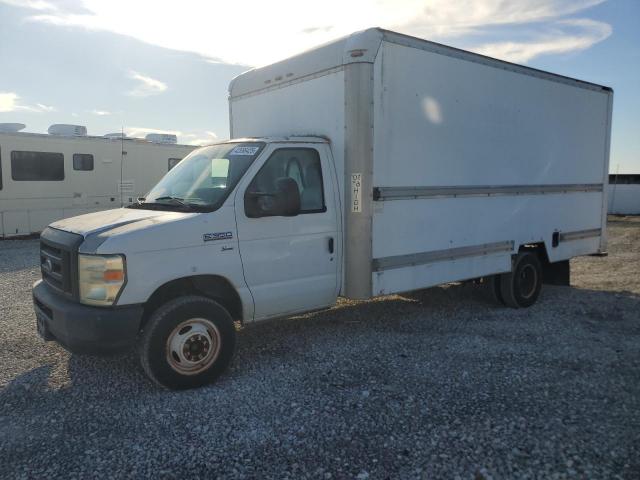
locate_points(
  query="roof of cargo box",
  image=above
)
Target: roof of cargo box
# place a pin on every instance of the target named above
(288, 139)
(362, 47)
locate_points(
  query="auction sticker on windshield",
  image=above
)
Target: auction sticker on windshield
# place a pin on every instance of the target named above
(244, 151)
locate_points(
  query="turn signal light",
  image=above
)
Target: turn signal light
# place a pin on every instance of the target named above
(113, 275)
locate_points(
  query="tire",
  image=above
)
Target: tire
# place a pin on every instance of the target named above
(188, 342)
(491, 286)
(521, 287)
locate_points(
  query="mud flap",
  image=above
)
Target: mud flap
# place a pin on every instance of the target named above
(558, 273)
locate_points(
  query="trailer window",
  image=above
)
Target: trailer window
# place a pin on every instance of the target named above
(173, 162)
(82, 161)
(624, 179)
(37, 166)
(300, 164)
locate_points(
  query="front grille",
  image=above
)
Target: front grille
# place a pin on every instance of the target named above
(55, 266)
(59, 260)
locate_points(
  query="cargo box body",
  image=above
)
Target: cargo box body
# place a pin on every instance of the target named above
(448, 161)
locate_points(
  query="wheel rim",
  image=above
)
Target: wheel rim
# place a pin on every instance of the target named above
(193, 346)
(527, 281)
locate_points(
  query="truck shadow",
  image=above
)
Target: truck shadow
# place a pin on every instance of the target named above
(436, 315)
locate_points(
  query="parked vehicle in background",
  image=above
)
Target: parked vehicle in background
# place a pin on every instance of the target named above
(624, 194)
(44, 178)
(375, 164)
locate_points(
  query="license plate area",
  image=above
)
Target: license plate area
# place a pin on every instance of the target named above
(41, 323)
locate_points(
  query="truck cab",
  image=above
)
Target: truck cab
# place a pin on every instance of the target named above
(238, 231)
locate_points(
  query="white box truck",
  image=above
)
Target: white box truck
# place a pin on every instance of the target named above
(375, 164)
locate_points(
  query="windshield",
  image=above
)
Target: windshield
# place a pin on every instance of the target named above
(204, 178)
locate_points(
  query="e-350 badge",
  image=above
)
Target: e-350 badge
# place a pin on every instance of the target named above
(208, 237)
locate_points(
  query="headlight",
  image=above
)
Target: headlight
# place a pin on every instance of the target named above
(101, 278)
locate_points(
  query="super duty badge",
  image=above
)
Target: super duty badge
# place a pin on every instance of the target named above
(208, 237)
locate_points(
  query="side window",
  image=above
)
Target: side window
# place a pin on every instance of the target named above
(300, 164)
(173, 162)
(82, 161)
(37, 166)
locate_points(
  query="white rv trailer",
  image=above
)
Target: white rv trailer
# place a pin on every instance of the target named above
(624, 194)
(378, 163)
(44, 178)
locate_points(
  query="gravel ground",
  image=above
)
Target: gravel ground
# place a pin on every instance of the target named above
(439, 384)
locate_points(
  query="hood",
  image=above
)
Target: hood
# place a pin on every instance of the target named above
(98, 222)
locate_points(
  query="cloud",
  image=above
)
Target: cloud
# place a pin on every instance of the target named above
(44, 108)
(556, 41)
(32, 4)
(234, 41)
(446, 19)
(59, 6)
(9, 103)
(146, 85)
(326, 29)
(100, 113)
(204, 138)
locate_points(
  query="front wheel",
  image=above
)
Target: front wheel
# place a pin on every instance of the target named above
(187, 342)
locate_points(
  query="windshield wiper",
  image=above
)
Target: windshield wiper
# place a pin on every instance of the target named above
(174, 199)
(169, 202)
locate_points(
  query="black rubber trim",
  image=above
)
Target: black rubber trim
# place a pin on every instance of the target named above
(82, 328)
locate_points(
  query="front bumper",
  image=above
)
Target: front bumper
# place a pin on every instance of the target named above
(84, 329)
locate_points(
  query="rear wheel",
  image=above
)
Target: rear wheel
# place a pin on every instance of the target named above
(521, 287)
(491, 289)
(188, 342)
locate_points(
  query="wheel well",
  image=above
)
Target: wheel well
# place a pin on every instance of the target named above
(539, 248)
(212, 286)
(557, 273)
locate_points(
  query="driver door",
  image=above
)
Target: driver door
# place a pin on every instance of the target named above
(290, 263)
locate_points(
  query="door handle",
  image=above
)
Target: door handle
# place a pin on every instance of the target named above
(330, 244)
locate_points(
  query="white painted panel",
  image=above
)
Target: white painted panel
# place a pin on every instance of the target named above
(441, 121)
(624, 199)
(452, 120)
(286, 260)
(313, 107)
(30, 205)
(16, 222)
(39, 219)
(143, 166)
(428, 275)
(444, 121)
(423, 225)
(422, 276)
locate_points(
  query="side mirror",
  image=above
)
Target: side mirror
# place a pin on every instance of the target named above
(284, 202)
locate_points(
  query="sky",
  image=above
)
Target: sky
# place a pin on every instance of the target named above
(148, 66)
